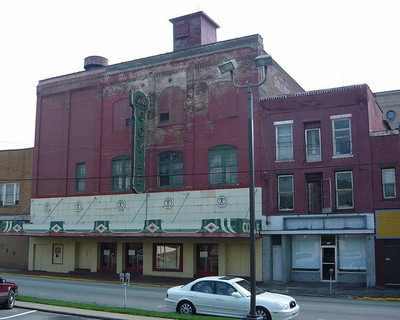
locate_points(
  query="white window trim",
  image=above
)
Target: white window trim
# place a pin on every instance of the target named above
(383, 184)
(279, 198)
(345, 155)
(310, 157)
(3, 188)
(352, 191)
(278, 124)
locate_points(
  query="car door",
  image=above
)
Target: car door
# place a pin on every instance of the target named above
(202, 296)
(227, 304)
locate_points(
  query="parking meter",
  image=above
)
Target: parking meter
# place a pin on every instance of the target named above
(330, 280)
(127, 278)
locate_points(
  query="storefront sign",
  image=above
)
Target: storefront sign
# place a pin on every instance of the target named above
(139, 103)
(387, 224)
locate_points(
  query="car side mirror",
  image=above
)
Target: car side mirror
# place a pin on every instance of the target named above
(2, 280)
(236, 294)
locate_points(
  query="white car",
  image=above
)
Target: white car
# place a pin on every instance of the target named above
(230, 297)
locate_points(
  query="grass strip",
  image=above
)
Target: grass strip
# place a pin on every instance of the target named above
(131, 311)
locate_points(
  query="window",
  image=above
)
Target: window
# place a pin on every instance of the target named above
(306, 252)
(352, 253)
(121, 173)
(285, 193)
(342, 145)
(80, 173)
(168, 257)
(313, 145)
(314, 193)
(170, 169)
(344, 190)
(222, 162)
(389, 183)
(203, 286)
(9, 194)
(284, 140)
(164, 117)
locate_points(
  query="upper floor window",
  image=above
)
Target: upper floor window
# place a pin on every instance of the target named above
(344, 190)
(285, 192)
(170, 169)
(121, 173)
(284, 140)
(222, 162)
(389, 183)
(342, 144)
(80, 174)
(9, 194)
(313, 144)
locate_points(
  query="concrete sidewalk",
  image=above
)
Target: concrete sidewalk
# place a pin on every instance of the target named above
(80, 312)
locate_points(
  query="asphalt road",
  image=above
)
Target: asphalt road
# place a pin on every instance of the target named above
(152, 298)
(24, 314)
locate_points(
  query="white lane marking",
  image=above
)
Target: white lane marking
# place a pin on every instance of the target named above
(18, 315)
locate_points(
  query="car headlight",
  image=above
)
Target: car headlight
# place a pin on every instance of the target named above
(282, 305)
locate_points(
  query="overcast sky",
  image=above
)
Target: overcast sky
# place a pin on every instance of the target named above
(320, 43)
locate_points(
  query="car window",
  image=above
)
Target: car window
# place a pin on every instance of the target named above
(224, 288)
(203, 286)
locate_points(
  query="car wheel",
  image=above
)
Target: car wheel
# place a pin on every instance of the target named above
(260, 311)
(186, 307)
(10, 300)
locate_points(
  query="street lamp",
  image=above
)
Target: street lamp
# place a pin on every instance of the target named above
(229, 66)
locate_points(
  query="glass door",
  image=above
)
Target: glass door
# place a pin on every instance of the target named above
(207, 259)
(328, 270)
(134, 258)
(108, 257)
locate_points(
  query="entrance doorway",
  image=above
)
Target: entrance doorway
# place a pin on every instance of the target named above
(134, 258)
(207, 259)
(392, 262)
(328, 269)
(108, 257)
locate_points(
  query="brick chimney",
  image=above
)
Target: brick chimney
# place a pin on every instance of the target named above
(193, 30)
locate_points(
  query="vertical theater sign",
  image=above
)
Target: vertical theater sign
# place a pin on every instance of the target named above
(139, 103)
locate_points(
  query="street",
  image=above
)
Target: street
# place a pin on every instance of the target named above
(152, 298)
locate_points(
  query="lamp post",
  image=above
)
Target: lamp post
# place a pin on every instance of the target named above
(229, 66)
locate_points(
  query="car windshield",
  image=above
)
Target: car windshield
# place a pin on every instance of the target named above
(247, 286)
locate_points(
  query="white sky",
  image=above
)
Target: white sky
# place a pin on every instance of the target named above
(320, 43)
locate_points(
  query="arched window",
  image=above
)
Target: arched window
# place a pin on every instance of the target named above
(222, 163)
(170, 169)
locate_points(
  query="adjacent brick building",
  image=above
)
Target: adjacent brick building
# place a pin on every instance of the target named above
(329, 164)
(15, 199)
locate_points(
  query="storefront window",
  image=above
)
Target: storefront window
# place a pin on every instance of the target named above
(352, 256)
(168, 257)
(306, 252)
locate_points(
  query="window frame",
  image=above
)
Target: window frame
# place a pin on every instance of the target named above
(313, 157)
(80, 177)
(384, 185)
(124, 176)
(224, 169)
(286, 193)
(337, 138)
(4, 194)
(280, 145)
(342, 190)
(173, 167)
(162, 248)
